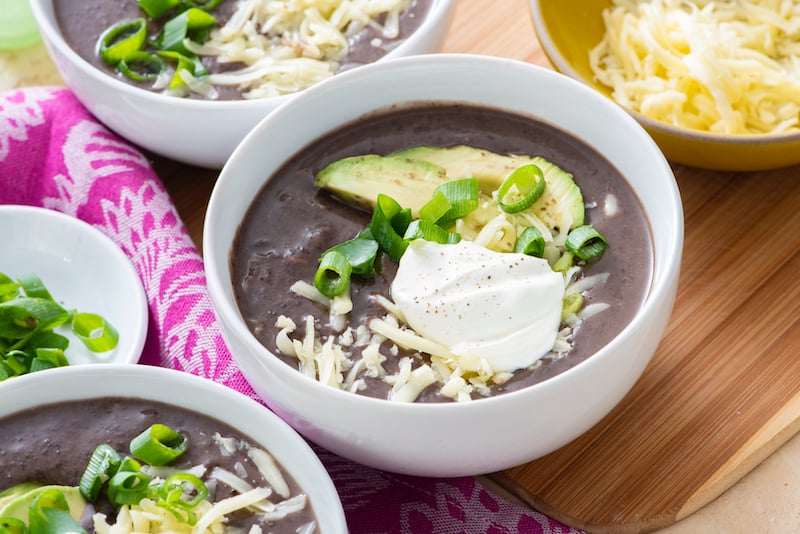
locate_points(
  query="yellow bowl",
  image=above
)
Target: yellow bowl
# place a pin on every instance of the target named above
(568, 29)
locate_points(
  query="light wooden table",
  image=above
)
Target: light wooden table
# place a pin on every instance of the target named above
(716, 409)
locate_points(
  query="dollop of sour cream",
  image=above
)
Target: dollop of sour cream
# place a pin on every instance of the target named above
(503, 307)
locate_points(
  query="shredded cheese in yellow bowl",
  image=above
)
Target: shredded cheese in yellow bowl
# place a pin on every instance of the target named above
(715, 83)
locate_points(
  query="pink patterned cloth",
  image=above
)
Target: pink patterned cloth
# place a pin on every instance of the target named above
(54, 154)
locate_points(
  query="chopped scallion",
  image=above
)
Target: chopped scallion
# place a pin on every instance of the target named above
(586, 243)
(103, 464)
(158, 445)
(122, 39)
(333, 275)
(521, 189)
(530, 242)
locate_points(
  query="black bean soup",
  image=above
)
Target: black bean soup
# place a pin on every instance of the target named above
(52, 445)
(290, 223)
(82, 22)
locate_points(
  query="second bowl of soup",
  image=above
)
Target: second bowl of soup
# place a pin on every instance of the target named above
(426, 266)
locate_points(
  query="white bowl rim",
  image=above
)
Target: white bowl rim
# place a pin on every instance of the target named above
(139, 302)
(438, 12)
(658, 292)
(564, 66)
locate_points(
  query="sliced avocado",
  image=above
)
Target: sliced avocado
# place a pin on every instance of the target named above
(19, 506)
(9, 494)
(560, 205)
(358, 180)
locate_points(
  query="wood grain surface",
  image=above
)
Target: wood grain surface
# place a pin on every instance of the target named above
(723, 391)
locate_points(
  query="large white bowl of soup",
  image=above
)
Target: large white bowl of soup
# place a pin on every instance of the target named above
(92, 436)
(193, 95)
(527, 236)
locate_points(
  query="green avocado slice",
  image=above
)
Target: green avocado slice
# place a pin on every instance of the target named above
(19, 507)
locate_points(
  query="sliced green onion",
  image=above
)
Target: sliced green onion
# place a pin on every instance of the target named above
(184, 515)
(16, 363)
(103, 463)
(435, 208)
(183, 489)
(127, 487)
(521, 188)
(383, 231)
(49, 514)
(429, 231)
(462, 196)
(179, 28)
(141, 66)
(586, 243)
(23, 315)
(122, 39)
(156, 8)
(360, 253)
(12, 525)
(564, 262)
(158, 445)
(8, 288)
(48, 358)
(530, 242)
(572, 305)
(333, 275)
(95, 332)
(34, 287)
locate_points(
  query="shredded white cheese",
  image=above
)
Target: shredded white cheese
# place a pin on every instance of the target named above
(726, 67)
(285, 46)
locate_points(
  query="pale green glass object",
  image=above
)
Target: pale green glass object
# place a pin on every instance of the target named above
(17, 25)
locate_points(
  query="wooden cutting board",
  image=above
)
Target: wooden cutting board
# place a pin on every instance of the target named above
(722, 391)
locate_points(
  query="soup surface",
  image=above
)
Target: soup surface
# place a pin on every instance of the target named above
(291, 223)
(53, 444)
(82, 23)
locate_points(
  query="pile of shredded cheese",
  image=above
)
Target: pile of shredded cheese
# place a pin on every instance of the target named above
(289, 45)
(726, 67)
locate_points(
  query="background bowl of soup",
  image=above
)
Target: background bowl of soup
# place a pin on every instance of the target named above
(710, 95)
(195, 130)
(264, 207)
(78, 409)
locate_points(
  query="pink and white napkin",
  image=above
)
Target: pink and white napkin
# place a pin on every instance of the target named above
(55, 154)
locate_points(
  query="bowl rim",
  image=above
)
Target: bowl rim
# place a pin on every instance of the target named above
(128, 269)
(51, 33)
(553, 52)
(73, 379)
(661, 278)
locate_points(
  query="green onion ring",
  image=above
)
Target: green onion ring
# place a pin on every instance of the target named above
(530, 242)
(122, 39)
(127, 487)
(174, 490)
(103, 463)
(528, 181)
(586, 243)
(333, 275)
(95, 332)
(158, 445)
(34, 287)
(141, 66)
(572, 304)
(49, 513)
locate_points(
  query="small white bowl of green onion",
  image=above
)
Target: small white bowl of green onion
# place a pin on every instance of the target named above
(68, 295)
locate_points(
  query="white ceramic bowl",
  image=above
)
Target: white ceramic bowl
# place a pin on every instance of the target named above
(488, 434)
(192, 131)
(83, 269)
(193, 393)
